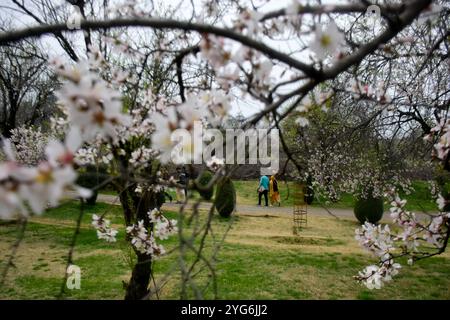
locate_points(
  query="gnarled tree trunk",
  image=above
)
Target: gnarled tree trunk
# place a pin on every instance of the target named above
(140, 278)
(137, 287)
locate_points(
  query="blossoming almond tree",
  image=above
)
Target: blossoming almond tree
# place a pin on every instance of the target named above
(128, 98)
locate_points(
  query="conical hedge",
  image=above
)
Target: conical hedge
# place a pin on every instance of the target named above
(203, 181)
(370, 209)
(225, 201)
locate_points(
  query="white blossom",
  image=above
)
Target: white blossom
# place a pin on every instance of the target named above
(215, 163)
(441, 202)
(144, 242)
(326, 40)
(39, 185)
(58, 153)
(142, 157)
(29, 144)
(91, 104)
(302, 121)
(103, 227)
(374, 276)
(163, 227)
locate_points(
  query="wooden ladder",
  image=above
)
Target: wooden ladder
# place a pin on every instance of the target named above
(300, 209)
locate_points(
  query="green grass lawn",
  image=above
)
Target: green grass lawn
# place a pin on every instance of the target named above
(260, 259)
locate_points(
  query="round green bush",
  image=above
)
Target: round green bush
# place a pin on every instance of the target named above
(225, 201)
(203, 181)
(309, 194)
(370, 209)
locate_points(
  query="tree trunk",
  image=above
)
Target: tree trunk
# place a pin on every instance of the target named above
(140, 279)
(10, 122)
(137, 288)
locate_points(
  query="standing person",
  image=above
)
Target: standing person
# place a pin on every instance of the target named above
(274, 191)
(263, 189)
(181, 193)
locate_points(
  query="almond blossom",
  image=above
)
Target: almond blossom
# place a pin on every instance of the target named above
(91, 97)
(142, 157)
(441, 202)
(103, 227)
(442, 132)
(326, 40)
(47, 185)
(215, 164)
(248, 22)
(143, 241)
(91, 104)
(64, 154)
(387, 245)
(40, 185)
(214, 50)
(29, 144)
(163, 227)
(164, 125)
(178, 129)
(376, 239)
(374, 276)
(11, 175)
(305, 105)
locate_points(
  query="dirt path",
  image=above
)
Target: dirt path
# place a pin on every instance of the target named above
(245, 209)
(254, 210)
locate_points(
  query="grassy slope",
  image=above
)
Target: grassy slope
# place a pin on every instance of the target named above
(261, 259)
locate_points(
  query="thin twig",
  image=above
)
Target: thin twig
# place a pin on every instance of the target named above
(72, 247)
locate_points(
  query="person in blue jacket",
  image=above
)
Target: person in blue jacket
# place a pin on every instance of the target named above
(263, 189)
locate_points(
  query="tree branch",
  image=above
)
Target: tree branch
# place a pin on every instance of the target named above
(157, 23)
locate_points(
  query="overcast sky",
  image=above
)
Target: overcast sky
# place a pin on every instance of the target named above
(245, 106)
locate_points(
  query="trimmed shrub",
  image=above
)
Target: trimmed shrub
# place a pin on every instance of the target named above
(225, 201)
(370, 209)
(90, 178)
(203, 181)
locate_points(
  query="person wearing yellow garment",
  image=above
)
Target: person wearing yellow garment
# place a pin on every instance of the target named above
(274, 193)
